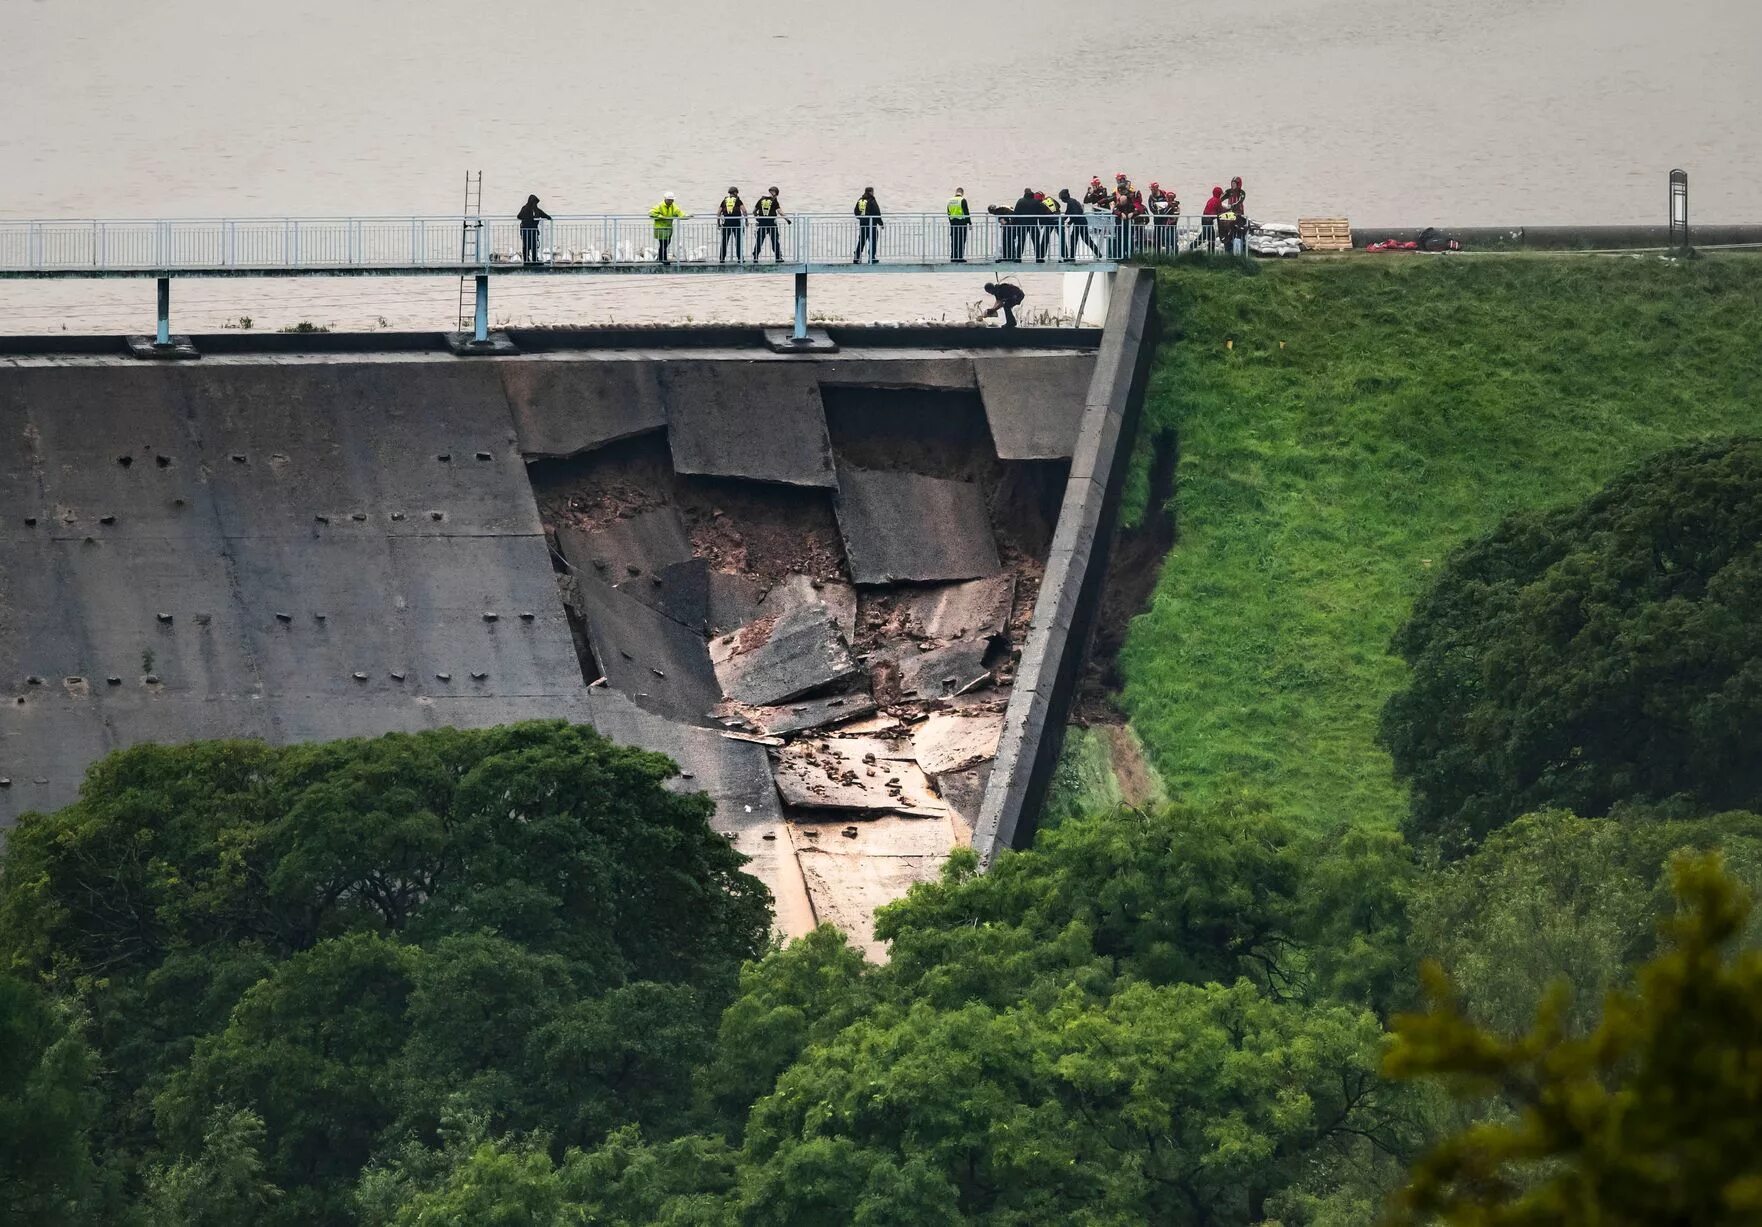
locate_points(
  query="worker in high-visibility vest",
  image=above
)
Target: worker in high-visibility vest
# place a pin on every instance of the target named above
(664, 215)
(960, 218)
(766, 210)
(869, 223)
(731, 217)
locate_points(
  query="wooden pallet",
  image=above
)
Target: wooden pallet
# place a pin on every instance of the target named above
(1325, 233)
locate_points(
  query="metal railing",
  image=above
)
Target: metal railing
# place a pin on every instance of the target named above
(271, 245)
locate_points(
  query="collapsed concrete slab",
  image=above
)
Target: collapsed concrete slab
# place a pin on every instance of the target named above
(976, 609)
(1034, 403)
(763, 421)
(905, 526)
(801, 716)
(565, 408)
(940, 673)
(854, 773)
(853, 868)
(947, 742)
(775, 660)
(794, 592)
(657, 662)
(642, 543)
(733, 601)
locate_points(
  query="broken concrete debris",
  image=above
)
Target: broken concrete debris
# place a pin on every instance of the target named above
(947, 742)
(776, 659)
(855, 773)
(799, 716)
(901, 526)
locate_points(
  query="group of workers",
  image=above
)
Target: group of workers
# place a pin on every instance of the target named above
(1031, 221)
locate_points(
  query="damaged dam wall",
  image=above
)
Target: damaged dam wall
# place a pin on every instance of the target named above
(815, 582)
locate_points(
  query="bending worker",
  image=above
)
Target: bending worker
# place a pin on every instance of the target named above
(530, 215)
(1005, 298)
(960, 218)
(731, 217)
(664, 215)
(766, 210)
(869, 224)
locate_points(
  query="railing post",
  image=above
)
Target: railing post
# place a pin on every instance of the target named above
(800, 335)
(480, 321)
(163, 336)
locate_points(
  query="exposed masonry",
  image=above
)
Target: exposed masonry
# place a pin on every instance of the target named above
(659, 544)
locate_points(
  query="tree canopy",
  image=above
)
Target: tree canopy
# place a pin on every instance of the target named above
(1602, 654)
(1655, 1116)
(291, 958)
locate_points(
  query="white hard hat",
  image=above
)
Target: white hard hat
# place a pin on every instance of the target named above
(666, 195)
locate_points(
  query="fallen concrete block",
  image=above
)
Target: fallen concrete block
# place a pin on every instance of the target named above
(860, 773)
(947, 742)
(978, 608)
(658, 663)
(776, 660)
(647, 540)
(905, 526)
(795, 591)
(937, 674)
(733, 601)
(800, 716)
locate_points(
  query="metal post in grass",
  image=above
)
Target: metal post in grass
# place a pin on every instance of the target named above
(1679, 209)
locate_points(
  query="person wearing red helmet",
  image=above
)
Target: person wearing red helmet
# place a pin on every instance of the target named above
(1096, 196)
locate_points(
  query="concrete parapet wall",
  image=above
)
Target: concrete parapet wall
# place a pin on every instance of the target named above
(1070, 593)
(1565, 238)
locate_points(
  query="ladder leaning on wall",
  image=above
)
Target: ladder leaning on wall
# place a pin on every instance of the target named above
(470, 241)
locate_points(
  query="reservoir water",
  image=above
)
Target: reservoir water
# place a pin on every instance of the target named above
(1390, 113)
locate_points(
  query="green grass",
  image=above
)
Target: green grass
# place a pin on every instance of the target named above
(1414, 402)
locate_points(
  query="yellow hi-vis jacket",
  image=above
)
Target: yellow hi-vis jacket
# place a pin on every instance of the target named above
(665, 214)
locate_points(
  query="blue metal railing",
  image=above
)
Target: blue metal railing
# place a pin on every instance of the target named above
(610, 241)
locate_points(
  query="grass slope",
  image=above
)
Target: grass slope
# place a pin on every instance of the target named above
(1370, 414)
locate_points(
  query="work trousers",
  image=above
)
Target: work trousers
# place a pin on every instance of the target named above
(665, 241)
(529, 243)
(767, 230)
(1009, 316)
(1075, 231)
(1208, 232)
(868, 234)
(957, 240)
(1041, 239)
(731, 234)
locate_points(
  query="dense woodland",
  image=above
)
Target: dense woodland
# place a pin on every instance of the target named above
(507, 977)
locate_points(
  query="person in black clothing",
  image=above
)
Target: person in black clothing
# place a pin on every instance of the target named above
(530, 215)
(1076, 228)
(1022, 226)
(1005, 298)
(731, 217)
(869, 224)
(766, 211)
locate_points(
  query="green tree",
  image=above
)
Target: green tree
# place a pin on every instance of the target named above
(47, 1107)
(1608, 652)
(1181, 1104)
(1653, 1117)
(222, 1185)
(337, 937)
(1555, 901)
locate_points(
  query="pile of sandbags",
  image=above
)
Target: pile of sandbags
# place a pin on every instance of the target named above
(1273, 239)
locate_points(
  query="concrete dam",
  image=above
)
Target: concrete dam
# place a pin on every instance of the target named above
(848, 592)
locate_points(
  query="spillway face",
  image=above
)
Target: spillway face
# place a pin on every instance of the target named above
(808, 580)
